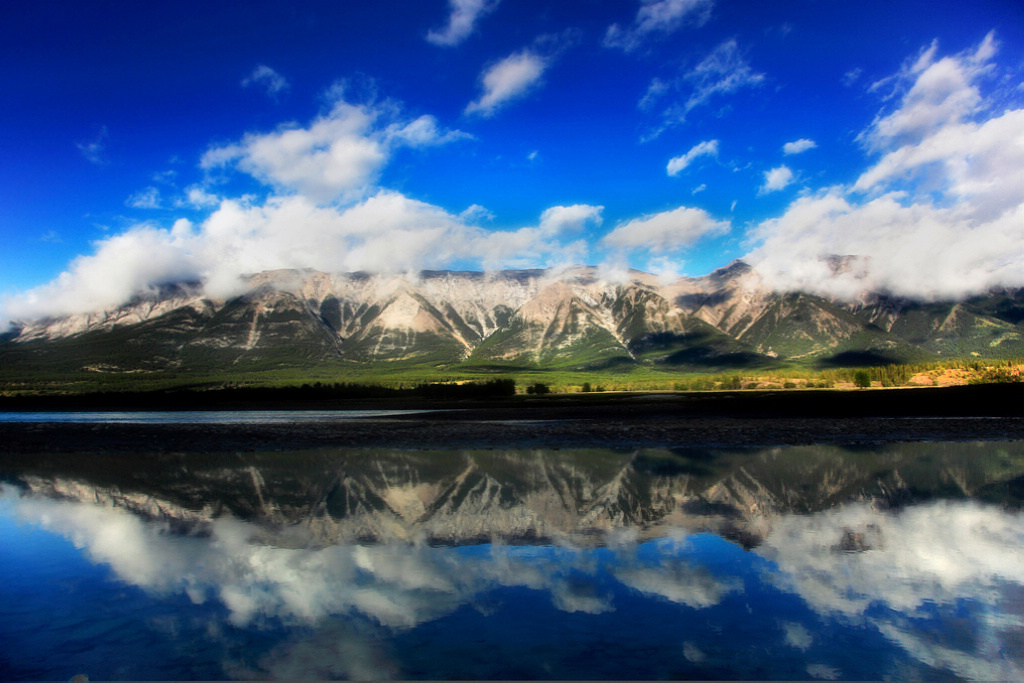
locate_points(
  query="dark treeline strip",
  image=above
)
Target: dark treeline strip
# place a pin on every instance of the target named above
(233, 397)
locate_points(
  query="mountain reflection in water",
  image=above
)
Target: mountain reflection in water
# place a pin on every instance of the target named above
(782, 563)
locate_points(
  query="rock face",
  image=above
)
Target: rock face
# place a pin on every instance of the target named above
(572, 319)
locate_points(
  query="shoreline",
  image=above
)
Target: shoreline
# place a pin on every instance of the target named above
(623, 421)
(419, 434)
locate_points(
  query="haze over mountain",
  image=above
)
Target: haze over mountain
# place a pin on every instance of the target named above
(666, 136)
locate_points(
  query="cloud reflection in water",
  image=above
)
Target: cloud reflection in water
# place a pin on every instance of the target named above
(710, 589)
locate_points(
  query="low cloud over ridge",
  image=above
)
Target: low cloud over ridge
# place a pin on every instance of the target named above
(935, 213)
(937, 216)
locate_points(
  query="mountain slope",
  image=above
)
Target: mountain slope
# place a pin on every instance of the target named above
(572, 319)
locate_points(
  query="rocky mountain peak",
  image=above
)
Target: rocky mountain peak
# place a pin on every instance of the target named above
(570, 317)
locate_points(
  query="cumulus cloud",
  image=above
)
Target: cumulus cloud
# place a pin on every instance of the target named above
(475, 214)
(665, 232)
(559, 219)
(776, 179)
(706, 148)
(198, 197)
(940, 93)
(936, 216)
(386, 232)
(121, 267)
(336, 157)
(273, 83)
(798, 146)
(461, 21)
(915, 250)
(971, 162)
(508, 80)
(657, 17)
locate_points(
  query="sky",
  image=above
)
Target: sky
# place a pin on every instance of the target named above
(148, 142)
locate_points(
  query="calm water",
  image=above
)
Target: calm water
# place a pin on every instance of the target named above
(200, 416)
(903, 562)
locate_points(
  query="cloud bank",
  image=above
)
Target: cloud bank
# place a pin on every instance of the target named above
(935, 214)
(386, 232)
(938, 213)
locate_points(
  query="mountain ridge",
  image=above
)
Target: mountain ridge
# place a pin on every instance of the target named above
(574, 318)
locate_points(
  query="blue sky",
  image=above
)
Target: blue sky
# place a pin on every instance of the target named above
(149, 141)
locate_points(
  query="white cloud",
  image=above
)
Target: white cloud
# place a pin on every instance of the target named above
(852, 76)
(145, 199)
(706, 148)
(665, 232)
(386, 232)
(655, 90)
(559, 219)
(798, 146)
(977, 164)
(657, 17)
(914, 250)
(197, 197)
(273, 83)
(461, 21)
(937, 216)
(337, 157)
(941, 93)
(94, 150)
(476, 214)
(722, 72)
(121, 267)
(508, 80)
(776, 179)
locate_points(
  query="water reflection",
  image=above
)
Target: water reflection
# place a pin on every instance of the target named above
(783, 563)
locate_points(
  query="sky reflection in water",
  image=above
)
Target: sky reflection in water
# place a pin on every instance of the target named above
(784, 563)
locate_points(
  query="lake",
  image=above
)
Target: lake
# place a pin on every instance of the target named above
(900, 561)
(201, 417)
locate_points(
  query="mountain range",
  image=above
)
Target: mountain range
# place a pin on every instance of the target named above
(467, 497)
(573, 319)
